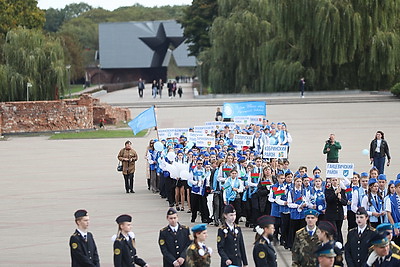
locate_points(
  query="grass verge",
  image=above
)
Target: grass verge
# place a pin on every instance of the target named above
(97, 134)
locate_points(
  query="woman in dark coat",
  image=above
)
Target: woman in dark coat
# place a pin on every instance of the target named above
(378, 151)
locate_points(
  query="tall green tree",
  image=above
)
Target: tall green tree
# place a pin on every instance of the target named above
(23, 13)
(196, 22)
(32, 57)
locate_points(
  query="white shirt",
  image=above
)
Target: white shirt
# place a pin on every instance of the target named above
(378, 146)
(361, 229)
(175, 229)
(83, 234)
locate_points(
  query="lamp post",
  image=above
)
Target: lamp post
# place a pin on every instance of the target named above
(28, 85)
(69, 79)
(99, 66)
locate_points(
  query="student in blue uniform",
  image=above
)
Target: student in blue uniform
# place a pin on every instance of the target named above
(230, 241)
(264, 254)
(124, 244)
(82, 246)
(173, 240)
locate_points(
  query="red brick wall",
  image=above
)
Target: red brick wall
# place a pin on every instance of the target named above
(59, 115)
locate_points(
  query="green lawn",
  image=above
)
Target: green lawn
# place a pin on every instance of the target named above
(97, 134)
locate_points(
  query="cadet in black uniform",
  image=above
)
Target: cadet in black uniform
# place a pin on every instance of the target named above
(124, 244)
(82, 245)
(174, 239)
(230, 240)
(356, 248)
(263, 252)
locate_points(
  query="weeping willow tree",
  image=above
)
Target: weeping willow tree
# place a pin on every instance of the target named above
(236, 36)
(334, 44)
(31, 57)
(267, 45)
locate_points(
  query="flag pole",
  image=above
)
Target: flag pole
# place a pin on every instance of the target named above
(155, 116)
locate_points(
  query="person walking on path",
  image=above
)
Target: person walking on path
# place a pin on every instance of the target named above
(331, 149)
(378, 151)
(302, 85)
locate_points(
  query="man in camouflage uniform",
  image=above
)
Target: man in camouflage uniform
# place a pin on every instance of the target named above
(306, 242)
(197, 254)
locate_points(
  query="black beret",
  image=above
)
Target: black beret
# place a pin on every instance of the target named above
(229, 209)
(265, 220)
(361, 211)
(171, 211)
(123, 218)
(80, 213)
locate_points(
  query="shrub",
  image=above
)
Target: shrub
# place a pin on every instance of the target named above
(396, 89)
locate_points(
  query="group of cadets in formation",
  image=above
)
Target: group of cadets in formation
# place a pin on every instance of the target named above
(301, 212)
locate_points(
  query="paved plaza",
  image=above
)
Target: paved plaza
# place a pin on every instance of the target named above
(44, 181)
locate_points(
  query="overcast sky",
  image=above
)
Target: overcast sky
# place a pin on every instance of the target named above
(111, 4)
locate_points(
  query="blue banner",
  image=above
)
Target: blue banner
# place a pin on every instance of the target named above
(250, 108)
(144, 120)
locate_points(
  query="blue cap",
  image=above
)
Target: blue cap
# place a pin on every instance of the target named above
(398, 176)
(179, 152)
(397, 182)
(364, 174)
(391, 182)
(380, 240)
(326, 250)
(199, 228)
(280, 172)
(317, 176)
(311, 212)
(354, 173)
(372, 181)
(213, 153)
(384, 227)
(382, 177)
(316, 168)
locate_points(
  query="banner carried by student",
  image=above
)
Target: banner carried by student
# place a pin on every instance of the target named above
(250, 108)
(277, 152)
(339, 170)
(242, 140)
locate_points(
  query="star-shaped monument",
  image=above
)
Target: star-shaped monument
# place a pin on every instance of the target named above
(160, 44)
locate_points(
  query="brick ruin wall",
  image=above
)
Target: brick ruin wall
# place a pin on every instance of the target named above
(59, 115)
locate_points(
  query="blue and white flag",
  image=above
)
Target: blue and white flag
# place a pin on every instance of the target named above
(144, 120)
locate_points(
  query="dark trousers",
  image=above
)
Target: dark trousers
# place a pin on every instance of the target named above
(237, 204)
(217, 206)
(379, 163)
(332, 160)
(170, 190)
(277, 225)
(255, 209)
(351, 219)
(295, 225)
(338, 224)
(199, 203)
(140, 92)
(128, 182)
(285, 228)
(153, 181)
(162, 187)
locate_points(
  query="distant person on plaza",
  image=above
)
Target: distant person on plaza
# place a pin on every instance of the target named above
(160, 86)
(180, 91)
(198, 254)
(264, 254)
(154, 89)
(306, 241)
(82, 246)
(331, 149)
(302, 85)
(174, 85)
(378, 151)
(140, 87)
(173, 240)
(124, 244)
(169, 86)
(218, 115)
(128, 157)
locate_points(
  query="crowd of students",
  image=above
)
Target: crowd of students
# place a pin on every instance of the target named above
(204, 180)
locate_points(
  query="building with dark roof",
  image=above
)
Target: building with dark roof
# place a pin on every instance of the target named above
(132, 50)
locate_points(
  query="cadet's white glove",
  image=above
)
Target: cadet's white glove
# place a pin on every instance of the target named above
(372, 258)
